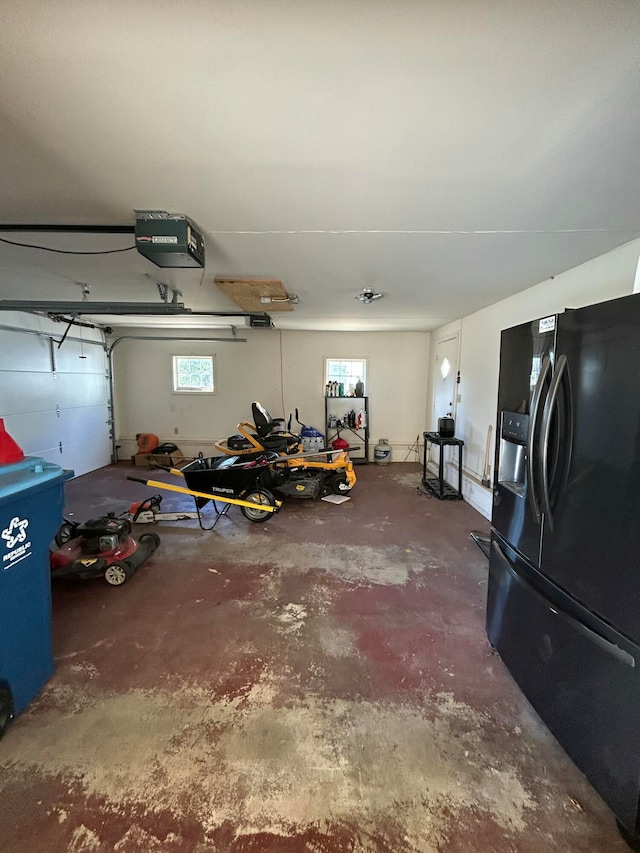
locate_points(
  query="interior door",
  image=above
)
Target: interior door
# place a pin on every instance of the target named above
(444, 390)
(444, 387)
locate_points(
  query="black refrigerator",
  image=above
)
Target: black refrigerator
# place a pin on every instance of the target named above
(563, 606)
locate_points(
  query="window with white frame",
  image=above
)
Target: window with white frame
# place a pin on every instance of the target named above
(348, 371)
(193, 374)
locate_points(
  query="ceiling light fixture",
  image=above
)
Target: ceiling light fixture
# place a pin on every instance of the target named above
(368, 296)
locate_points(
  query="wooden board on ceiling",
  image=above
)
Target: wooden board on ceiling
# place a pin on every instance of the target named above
(248, 293)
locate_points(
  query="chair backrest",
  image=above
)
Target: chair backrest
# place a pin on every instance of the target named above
(262, 419)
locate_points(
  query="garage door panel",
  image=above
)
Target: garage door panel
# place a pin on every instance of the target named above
(73, 357)
(35, 432)
(94, 390)
(25, 353)
(36, 392)
(83, 435)
(21, 393)
(83, 424)
(85, 456)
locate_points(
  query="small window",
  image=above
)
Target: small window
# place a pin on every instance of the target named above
(349, 372)
(193, 374)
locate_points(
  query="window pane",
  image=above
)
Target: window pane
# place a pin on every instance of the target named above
(347, 371)
(193, 373)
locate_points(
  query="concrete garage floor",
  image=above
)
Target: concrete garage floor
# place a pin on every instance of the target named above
(320, 682)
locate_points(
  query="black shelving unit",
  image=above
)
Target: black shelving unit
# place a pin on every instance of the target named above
(437, 485)
(358, 438)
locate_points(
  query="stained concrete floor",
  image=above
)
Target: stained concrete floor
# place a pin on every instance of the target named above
(320, 682)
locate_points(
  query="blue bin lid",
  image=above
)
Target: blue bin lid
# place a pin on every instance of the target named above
(30, 473)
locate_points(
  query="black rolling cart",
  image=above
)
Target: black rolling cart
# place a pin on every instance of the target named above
(436, 485)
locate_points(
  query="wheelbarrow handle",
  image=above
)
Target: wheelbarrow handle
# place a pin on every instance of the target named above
(137, 480)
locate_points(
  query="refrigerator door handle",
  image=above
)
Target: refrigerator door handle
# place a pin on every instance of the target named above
(549, 407)
(606, 645)
(535, 407)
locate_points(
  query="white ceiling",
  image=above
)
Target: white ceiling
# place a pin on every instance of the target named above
(445, 153)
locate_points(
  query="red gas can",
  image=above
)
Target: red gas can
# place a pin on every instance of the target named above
(9, 450)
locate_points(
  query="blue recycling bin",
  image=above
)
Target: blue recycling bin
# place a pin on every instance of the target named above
(31, 506)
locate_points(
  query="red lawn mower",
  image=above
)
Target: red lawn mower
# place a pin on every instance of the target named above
(100, 547)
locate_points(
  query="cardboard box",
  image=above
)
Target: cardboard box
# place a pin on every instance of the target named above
(140, 460)
(159, 460)
(167, 460)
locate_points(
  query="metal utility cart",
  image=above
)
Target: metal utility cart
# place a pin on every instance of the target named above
(437, 485)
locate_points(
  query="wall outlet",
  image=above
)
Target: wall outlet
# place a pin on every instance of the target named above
(175, 430)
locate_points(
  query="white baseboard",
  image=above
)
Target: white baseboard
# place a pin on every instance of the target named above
(190, 447)
(127, 447)
(400, 451)
(478, 496)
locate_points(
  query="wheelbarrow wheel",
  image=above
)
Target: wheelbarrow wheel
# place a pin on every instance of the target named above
(261, 497)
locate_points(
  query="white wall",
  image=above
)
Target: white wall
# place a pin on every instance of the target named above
(605, 277)
(397, 369)
(54, 400)
(282, 369)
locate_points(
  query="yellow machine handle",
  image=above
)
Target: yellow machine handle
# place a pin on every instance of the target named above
(156, 484)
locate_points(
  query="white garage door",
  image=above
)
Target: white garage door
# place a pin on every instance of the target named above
(55, 401)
